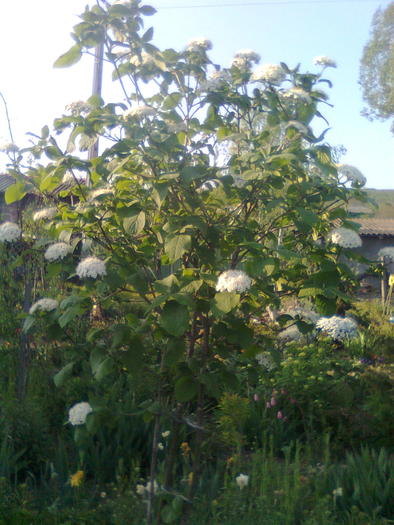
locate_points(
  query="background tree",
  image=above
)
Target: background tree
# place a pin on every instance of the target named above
(377, 66)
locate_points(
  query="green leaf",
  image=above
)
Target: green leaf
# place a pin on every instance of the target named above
(62, 376)
(135, 224)
(174, 318)
(148, 35)
(224, 302)
(147, 10)
(72, 56)
(105, 368)
(15, 192)
(186, 388)
(190, 173)
(28, 323)
(176, 246)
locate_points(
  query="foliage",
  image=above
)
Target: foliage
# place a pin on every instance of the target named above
(377, 66)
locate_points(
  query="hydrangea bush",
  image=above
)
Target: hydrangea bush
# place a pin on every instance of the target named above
(206, 206)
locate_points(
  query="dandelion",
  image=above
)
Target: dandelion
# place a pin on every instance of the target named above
(338, 328)
(44, 305)
(233, 281)
(272, 73)
(77, 478)
(324, 61)
(345, 238)
(9, 232)
(352, 174)
(198, 45)
(78, 413)
(138, 112)
(242, 480)
(57, 251)
(44, 214)
(91, 267)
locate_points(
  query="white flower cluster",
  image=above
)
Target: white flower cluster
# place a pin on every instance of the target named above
(242, 480)
(387, 253)
(9, 231)
(290, 334)
(78, 413)
(297, 94)
(44, 305)
(338, 328)
(345, 238)
(233, 281)
(8, 147)
(139, 112)
(79, 107)
(57, 251)
(44, 214)
(324, 61)
(352, 174)
(142, 490)
(91, 267)
(272, 73)
(244, 58)
(199, 44)
(265, 360)
(144, 58)
(216, 80)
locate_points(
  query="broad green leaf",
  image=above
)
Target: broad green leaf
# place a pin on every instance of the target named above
(186, 388)
(28, 323)
(174, 318)
(190, 173)
(224, 302)
(62, 376)
(72, 56)
(15, 192)
(176, 246)
(105, 368)
(134, 225)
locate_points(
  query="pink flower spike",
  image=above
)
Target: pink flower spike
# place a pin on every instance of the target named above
(267, 404)
(256, 397)
(279, 415)
(273, 401)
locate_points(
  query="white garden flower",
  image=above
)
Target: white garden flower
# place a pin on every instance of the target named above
(140, 489)
(337, 492)
(297, 94)
(244, 59)
(291, 333)
(57, 251)
(9, 232)
(78, 108)
(345, 238)
(44, 214)
(265, 360)
(166, 433)
(242, 480)
(324, 61)
(8, 147)
(91, 267)
(78, 413)
(199, 44)
(338, 328)
(387, 253)
(352, 174)
(44, 305)
(273, 73)
(233, 281)
(216, 80)
(138, 112)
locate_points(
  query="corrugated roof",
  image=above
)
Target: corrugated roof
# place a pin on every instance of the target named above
(376, 227)
(5, 181)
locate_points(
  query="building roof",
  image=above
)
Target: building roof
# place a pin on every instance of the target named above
(376, 227)
(5, 181)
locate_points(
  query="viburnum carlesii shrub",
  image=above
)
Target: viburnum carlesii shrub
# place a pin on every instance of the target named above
(345, 238)
(338, 328)
(44, 214)
(91, 267)
(43, 305)
(233, 281)
(387, 253)
(324, 61)
(57, 251)
(9, 232)
(78, 413)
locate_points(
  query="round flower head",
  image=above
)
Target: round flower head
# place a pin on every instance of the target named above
(217, 80)
(8, 147)
(138, 112)
(290, 334)
(44, 214)
(43, 305)
(324, 61)
(297, 94)
(387, 253)
(233, 281)
(78, 108)
(244, 59)
(242, 480)
(199, 44)
(9, 231)
(352, 174)
(57, 251)
(265, 360)
(272, 73)
(91, 267)
(338, 328)
(78, 413)
(345, 238)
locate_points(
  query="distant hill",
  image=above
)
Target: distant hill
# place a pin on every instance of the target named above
(385, 202)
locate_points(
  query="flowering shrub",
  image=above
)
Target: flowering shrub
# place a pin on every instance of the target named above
(9, 232)
(78, 413)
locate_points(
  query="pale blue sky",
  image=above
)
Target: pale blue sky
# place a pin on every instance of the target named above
(34, 34)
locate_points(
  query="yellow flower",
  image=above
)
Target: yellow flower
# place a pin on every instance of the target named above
(77, 478)
(185, 447)
(330, 372)
(391, 279)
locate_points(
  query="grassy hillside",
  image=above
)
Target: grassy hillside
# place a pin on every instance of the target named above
(385, 202)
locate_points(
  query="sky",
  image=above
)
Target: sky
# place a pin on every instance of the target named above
(34, 34)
